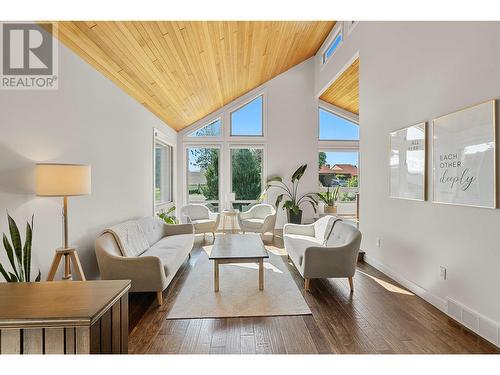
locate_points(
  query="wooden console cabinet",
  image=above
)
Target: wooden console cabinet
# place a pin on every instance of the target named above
(64, 317)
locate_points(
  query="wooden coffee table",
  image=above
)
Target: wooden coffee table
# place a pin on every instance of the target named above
(238, 248)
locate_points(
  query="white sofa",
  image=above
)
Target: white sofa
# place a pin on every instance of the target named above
(154, 269)
(260, 218)
(324, 249)
(204, 220)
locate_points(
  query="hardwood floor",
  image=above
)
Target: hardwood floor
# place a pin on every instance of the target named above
(379, 317)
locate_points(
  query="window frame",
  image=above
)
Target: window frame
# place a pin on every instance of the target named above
(259, 146)
(224, 142)
(337, 30)
(187, 146)
(335, 149)
(162, 139)
(339, 113)
(339, 37)
(240, 106)
(340, 145)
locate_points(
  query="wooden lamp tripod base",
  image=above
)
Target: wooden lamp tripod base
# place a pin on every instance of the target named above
(64, 180)
(70, 255)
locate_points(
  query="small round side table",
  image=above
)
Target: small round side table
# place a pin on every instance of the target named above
(231, 215)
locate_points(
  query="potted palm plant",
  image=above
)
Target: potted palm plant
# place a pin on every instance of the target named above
(290, 198)
(330, 198)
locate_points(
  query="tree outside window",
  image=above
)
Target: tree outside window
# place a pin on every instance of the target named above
(246, 173)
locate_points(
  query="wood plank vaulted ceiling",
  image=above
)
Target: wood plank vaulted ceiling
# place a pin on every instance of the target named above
(183, 71)
(344, 91)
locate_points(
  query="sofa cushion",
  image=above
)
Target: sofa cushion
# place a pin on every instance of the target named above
(130, 238)
(296, 245)
(322, 228)
(172, 251)
(342, 234)
(152, 228)
(330, 228)
(253, 223)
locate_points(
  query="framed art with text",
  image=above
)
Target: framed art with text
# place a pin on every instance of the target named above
(407, 163)
(464, 157)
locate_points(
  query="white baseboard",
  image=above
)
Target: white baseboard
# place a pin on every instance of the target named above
(479, 324)
(419, 291)
(476, 322)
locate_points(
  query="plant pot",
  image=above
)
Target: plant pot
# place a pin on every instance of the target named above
(294, 218)
(330, 209)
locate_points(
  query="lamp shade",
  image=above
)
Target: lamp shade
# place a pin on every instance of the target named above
(60, 180)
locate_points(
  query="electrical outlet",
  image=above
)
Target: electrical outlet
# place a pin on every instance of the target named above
(442, 273)
(379, 243)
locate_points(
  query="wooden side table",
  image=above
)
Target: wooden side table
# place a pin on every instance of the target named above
(57, 317)
(231, 216)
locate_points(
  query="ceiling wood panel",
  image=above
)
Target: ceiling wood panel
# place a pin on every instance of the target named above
(344, 92)
(183, 71)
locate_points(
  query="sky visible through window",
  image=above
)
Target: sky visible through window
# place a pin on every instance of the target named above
(332, 127)
(248, 119)
(192, 151)
(337, 157)
(333, 47)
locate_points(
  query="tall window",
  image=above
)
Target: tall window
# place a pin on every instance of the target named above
(231, 161)
(246, 175)
(248, 119)
(203, 176)
(333, 127)
(211, 130)
(339, 170)
(163, 173)
(338, 160)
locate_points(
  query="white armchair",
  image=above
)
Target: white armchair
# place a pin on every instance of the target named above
(260, 218)
(203, 220)
(324, 249)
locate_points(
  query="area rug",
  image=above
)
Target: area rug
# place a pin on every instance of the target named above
(239, 294)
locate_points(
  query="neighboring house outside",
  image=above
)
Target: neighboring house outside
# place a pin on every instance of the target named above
(337, 175)
(348, 170)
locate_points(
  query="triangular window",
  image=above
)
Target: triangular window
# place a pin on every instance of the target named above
(336, 128)
(211, 130)
(247, 120)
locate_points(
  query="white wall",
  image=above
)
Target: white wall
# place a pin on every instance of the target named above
(87, 120)
(412, 72)
(293, 129)
(291, 137)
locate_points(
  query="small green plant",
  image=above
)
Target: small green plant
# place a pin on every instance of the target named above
(167, 216)
(19, 256)
(329, 197)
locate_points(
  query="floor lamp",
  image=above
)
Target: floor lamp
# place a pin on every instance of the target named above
(64, 180)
